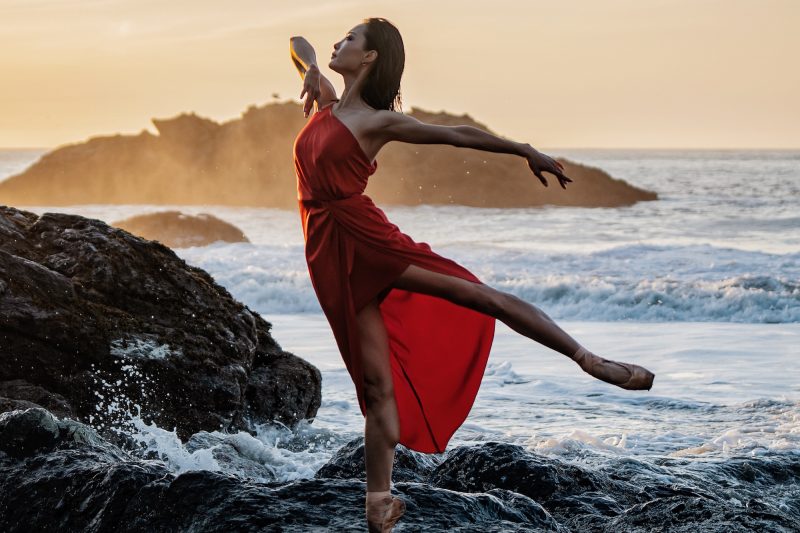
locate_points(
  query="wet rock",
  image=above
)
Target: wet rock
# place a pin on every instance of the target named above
(101, 322)
(26, 393)
(79, 482)
(179, 230)
(626, 494)
(35, 431)
(348, 463)
(508, 466)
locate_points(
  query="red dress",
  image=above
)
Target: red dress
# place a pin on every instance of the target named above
(438, 349)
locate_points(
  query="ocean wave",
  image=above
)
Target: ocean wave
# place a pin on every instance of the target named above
(628, 283)
(758, 299)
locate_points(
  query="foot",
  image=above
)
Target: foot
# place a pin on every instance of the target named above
(383, 511)
(625, 375)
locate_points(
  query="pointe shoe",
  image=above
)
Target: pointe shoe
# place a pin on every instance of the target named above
(383, 513)
(625, 375)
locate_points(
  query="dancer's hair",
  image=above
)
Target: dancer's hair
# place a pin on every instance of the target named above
(382, 87)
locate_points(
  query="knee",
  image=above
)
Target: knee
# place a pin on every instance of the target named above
(377, 392)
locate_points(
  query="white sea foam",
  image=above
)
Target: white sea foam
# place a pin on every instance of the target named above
(578, 439)
(142, 346)
(632, 282)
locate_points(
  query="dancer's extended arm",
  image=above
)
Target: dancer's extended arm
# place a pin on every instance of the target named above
(398, 127)
(316, 87)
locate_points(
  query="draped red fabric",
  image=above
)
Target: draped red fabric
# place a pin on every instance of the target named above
(438, 349)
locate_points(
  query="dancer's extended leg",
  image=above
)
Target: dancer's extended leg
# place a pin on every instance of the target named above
(521, 316)
(524, 318)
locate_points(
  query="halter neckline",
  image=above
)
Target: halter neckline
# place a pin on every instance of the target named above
(372, 163)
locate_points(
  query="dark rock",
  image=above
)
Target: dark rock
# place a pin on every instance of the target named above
(247, 161)
(79, 482)
(8, 404)
(35, 431)
(60, 475)
(179, 230)
(278, 388)
(23, 391)
(348, 463)
(626, 494)
(101, 321)
(685, 514)
(508, 466)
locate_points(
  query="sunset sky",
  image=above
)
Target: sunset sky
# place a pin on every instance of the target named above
(567, 73)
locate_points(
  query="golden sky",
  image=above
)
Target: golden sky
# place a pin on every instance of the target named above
(566, 73)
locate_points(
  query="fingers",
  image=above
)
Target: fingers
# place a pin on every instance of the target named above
(557, 170)
(312, 96)
(563, 180)
(548, 164)
(538, 173)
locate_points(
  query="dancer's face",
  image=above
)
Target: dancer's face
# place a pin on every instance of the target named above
(349, 54)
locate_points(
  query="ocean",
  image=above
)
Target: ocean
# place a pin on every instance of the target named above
(701, 286)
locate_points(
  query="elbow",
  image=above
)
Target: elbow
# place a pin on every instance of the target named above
(461, 135)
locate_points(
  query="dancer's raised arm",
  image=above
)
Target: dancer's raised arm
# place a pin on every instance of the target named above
(316, 87)
(404, 128)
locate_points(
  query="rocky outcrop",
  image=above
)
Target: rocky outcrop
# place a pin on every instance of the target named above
(60, 475)
(179, 230)
(593, 493)
(97, 323)
(248, 161)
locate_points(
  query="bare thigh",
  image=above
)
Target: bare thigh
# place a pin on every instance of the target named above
(477, 296)
(375, 354)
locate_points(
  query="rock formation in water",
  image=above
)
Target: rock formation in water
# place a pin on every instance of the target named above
(95, 321)
(248, 161)
(60, 475)
(179, 230)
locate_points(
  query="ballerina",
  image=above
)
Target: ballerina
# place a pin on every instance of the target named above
(414, 328)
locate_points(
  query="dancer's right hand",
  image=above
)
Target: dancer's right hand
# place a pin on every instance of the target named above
(540, 162)
(310, 88)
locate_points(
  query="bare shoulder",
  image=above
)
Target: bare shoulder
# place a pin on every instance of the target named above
(383, 118)
(394, 126)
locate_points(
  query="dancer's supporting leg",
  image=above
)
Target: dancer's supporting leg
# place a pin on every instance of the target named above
(524, 318)
(381, 427)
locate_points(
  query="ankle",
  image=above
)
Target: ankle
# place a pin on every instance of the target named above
(580, 355)
(377, 495)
